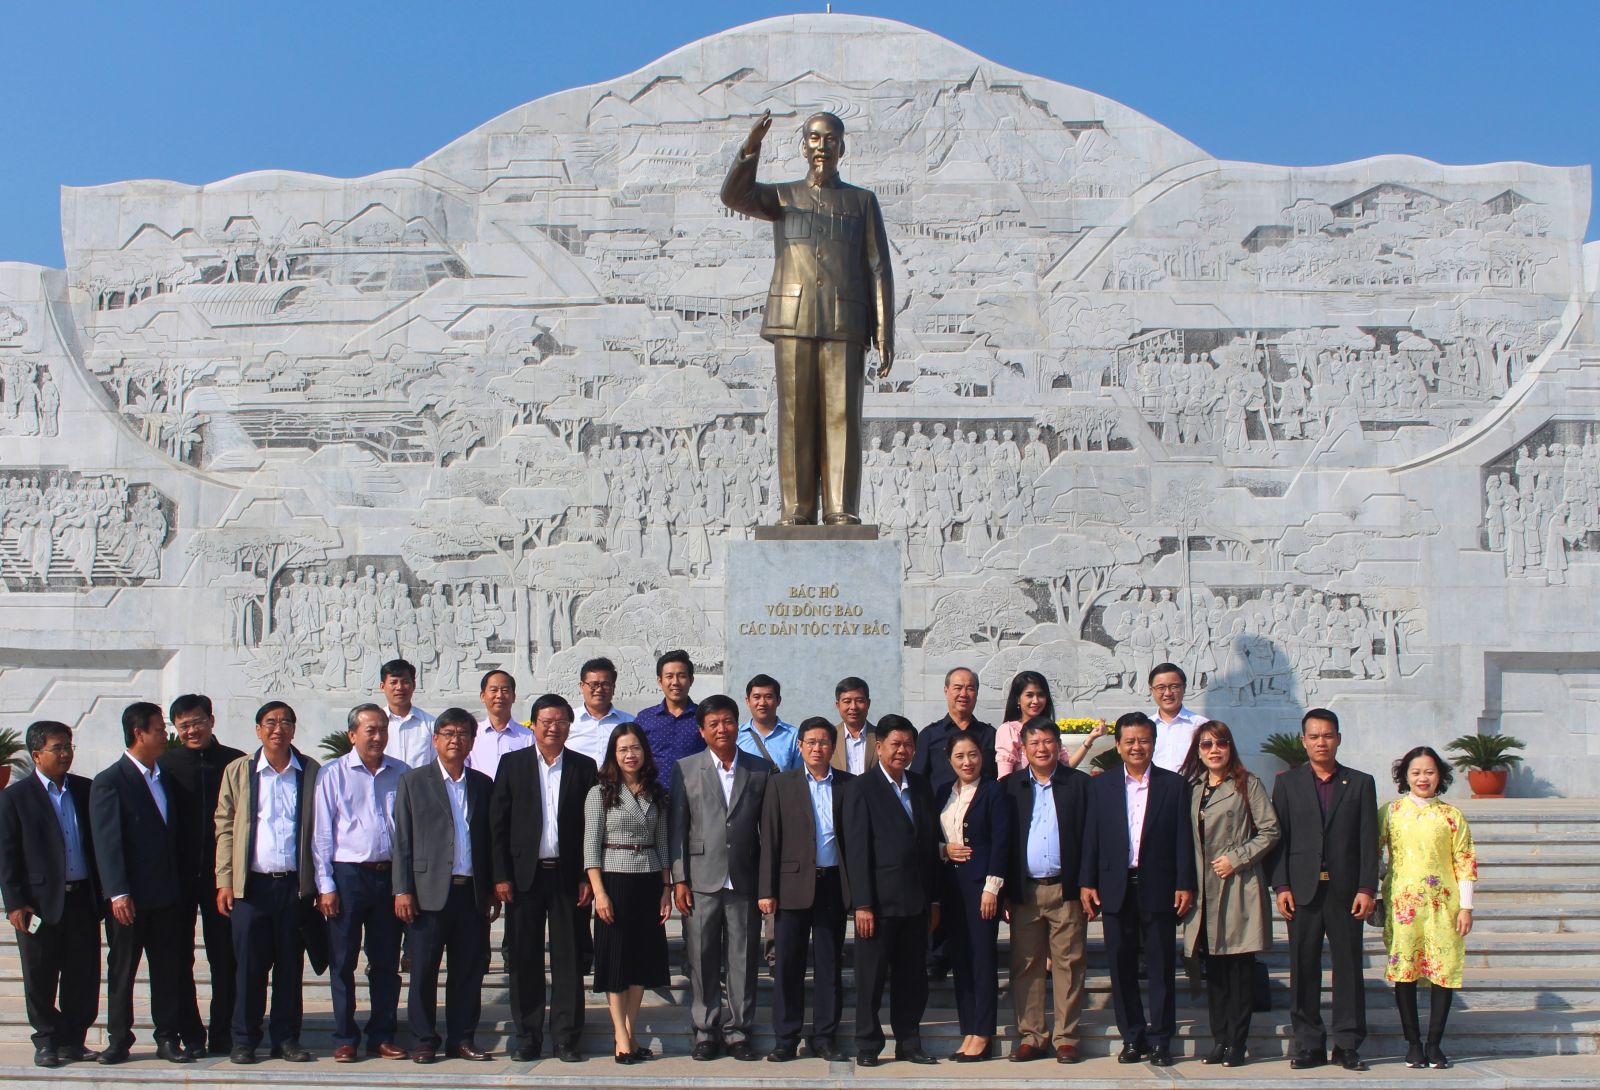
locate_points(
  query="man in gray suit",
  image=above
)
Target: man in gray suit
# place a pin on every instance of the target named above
(716, 799)
(443, 887)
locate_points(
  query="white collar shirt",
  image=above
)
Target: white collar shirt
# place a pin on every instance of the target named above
(550, 791)
(354, 815)
(591, 735)
(456, 791)
(1173, 737)
(410, 737)
(493, 743)
(277, 804)
(855, 750)
(902, 790)
(152, 780)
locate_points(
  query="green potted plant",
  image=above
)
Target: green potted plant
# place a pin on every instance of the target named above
(1286, 747)
(1487, 759)
(12, 748)
(335, 744)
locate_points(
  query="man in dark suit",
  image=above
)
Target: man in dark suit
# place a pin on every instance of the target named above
(443, 889)
(715, 813)
(891, 856)
(136, 852)
(803, 884)
(536, 835)
(1138, 867)
(193, 776)
(1325, 875)
(47, 881)
(1048, 801)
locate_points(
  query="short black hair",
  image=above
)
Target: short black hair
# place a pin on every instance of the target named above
(1167, 668)
(455, 717)
(819, 722)
(549, 700)
(602, 665)
(891, 723)
(716, 702)
(1040, 724)
(1319, 713)
(1403, 766)
(679, 655)
(852, 685)
(396, 668)
(1134, 719)
(957, 736)
(189, 702)
(763, 681)
(40, 733)
(276, 705)
(136, 718)
(483, 682)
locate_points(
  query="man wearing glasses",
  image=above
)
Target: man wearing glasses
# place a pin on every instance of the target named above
(1175, 724)
(597, 717)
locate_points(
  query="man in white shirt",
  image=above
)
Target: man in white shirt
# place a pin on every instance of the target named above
(410, 728)
(597, 717)
(1175, 724)
(353, 848)
(498, 733)
(264, 871)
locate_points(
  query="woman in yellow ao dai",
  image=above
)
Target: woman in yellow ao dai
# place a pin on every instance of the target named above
(1427, 896)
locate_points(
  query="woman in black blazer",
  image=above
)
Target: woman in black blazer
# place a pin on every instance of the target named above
(975, 825)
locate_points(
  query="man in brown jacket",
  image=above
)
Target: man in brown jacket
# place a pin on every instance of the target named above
(265, 876)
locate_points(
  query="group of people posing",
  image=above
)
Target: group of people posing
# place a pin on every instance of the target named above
(588, 828)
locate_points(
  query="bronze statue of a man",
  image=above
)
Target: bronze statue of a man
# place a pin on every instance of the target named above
(832, 295)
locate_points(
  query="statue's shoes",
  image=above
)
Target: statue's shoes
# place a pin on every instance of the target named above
(841, 519)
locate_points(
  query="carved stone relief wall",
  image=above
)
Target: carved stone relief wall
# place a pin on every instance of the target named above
(1322, 435)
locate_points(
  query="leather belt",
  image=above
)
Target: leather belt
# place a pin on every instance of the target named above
(73, 887)
(274, 873)
(375, 864)
(628, 847)
(460, 879)
(1052, 880)
(823, 872)
(549, 864)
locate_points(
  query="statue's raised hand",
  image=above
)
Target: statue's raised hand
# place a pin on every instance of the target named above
(758, 133)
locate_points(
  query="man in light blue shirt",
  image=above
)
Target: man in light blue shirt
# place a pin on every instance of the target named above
(352, 846)
(764, 735)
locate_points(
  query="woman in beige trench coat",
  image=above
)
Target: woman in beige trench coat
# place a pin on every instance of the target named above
(1235, 829)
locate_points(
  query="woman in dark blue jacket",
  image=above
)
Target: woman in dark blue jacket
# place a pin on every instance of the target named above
(975, 823)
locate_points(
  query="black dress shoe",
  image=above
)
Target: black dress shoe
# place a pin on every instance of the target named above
(1236, 1056)
(74, 1054)
(200, 1052)
(826, 1050)
(526, 1053)
(173, 1053)
(422, 1056)
(45, 1057)
(239, 1054)
(1415, 1057)
(569, 1054)
(1161, 1056)
(744, 1051)
(1302, 1060)
(469, 1051)
(1436, 1056)
(1133, 1052)
(292, 1051)
(914, 1056)
(867, 1059)
(783, 1053)
(1349, 1059)
(114, 1055)
(1218, 1054)
(705, 1050)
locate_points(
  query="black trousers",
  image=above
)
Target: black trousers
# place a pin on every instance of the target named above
(216, 931)
(165, 938)
(266, 939)
(548, 904)
(366, 912)
(821, 929)
(459, 930)
(973, 943)
(897, 955)
(1230, 983)
(61, 964)
(1129, 932)
(1326, 917)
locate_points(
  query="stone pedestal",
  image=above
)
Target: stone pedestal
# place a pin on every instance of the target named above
(810, 612)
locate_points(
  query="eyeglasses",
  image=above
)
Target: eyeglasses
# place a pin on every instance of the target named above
(277, 724)
(816, 743)
(60, 751)
(1213, 743)
(454, 736)
(1178, 688)
(598, 684)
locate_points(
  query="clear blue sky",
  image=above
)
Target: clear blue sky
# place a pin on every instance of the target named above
(199, 91)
